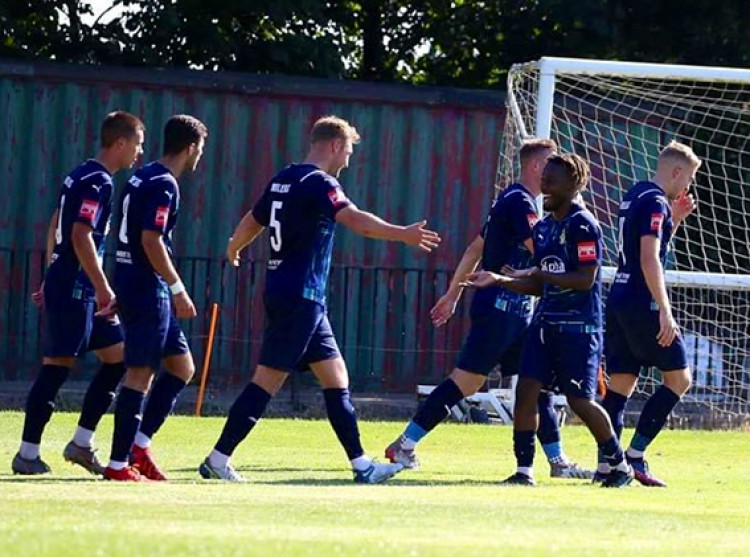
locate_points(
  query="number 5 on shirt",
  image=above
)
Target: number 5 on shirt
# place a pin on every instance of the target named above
(276, 225)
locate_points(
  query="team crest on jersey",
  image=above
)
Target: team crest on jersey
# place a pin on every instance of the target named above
(532, 218)
(337, 197)
(656, 221)
(162, 214)
(553, 264)
(88, 210)
(587, 251)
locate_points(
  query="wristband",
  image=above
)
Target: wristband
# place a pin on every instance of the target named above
(177, 288)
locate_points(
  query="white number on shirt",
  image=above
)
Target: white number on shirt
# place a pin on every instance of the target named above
(124, 223)
(58, 230)
(276, 225)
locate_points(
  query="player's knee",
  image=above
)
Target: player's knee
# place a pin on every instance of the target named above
(468, 382)
(678, 381)
(138, 378)
(622, 383)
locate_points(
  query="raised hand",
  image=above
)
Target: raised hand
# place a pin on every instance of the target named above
(683, 206)
(418, 236)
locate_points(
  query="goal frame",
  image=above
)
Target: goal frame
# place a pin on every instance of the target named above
(550, 67)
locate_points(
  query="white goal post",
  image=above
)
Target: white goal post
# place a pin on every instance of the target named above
(618, 116)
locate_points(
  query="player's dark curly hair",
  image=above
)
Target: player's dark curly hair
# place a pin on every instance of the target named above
(575, 167)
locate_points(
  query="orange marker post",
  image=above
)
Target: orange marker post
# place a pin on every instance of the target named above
(207, 359)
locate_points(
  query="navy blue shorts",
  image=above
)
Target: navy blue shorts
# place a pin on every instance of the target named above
(495, 337)
(70, 329)
(297, 334)
(151, 334)
(564, 361)
(631, 343)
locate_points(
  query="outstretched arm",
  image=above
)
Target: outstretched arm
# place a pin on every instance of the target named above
(526, 284)
(371, 226)
(445, 307)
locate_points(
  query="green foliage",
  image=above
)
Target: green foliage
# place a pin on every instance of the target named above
(443, 42)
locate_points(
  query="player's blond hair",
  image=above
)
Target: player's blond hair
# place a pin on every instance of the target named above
(679, 152)
(333, 127)
(533, 147)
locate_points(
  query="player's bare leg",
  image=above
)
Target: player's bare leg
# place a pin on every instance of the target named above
(244, 414)
(334, 379)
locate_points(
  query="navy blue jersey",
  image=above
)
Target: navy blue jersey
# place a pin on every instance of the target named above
(85, 197)
(562, 247)
(644, 211)
(299, 206)
(508, 226)
(150, 201)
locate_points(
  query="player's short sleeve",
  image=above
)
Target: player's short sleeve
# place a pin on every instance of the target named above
(90, 198)
(159, 199)
(585, 240)
(329, 197)
(262, 208)
(523, 217)
(490, 215)
(651, 215)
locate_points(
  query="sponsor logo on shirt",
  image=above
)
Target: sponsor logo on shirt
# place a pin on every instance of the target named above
(88, 210)
(656, 220)
(532, 218)
(587, 251)
(337, 197)
(162, 214)
(553, 264)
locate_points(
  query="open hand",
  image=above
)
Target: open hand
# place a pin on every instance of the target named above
(483, 279)
(418, 236)
(444, 309)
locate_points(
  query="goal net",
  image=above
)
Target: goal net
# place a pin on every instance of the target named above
(618, 116)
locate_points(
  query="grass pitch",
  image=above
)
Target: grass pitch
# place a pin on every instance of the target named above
(301, 500)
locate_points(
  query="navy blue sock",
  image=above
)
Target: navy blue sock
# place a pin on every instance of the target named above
(437, 406)
(614, 404)
(41, 401)
(160, 403)
(523, 448)
(653, 417)
(127, 420)
(243, 415)
(343, 419)
(612, 452)
(100, 394)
